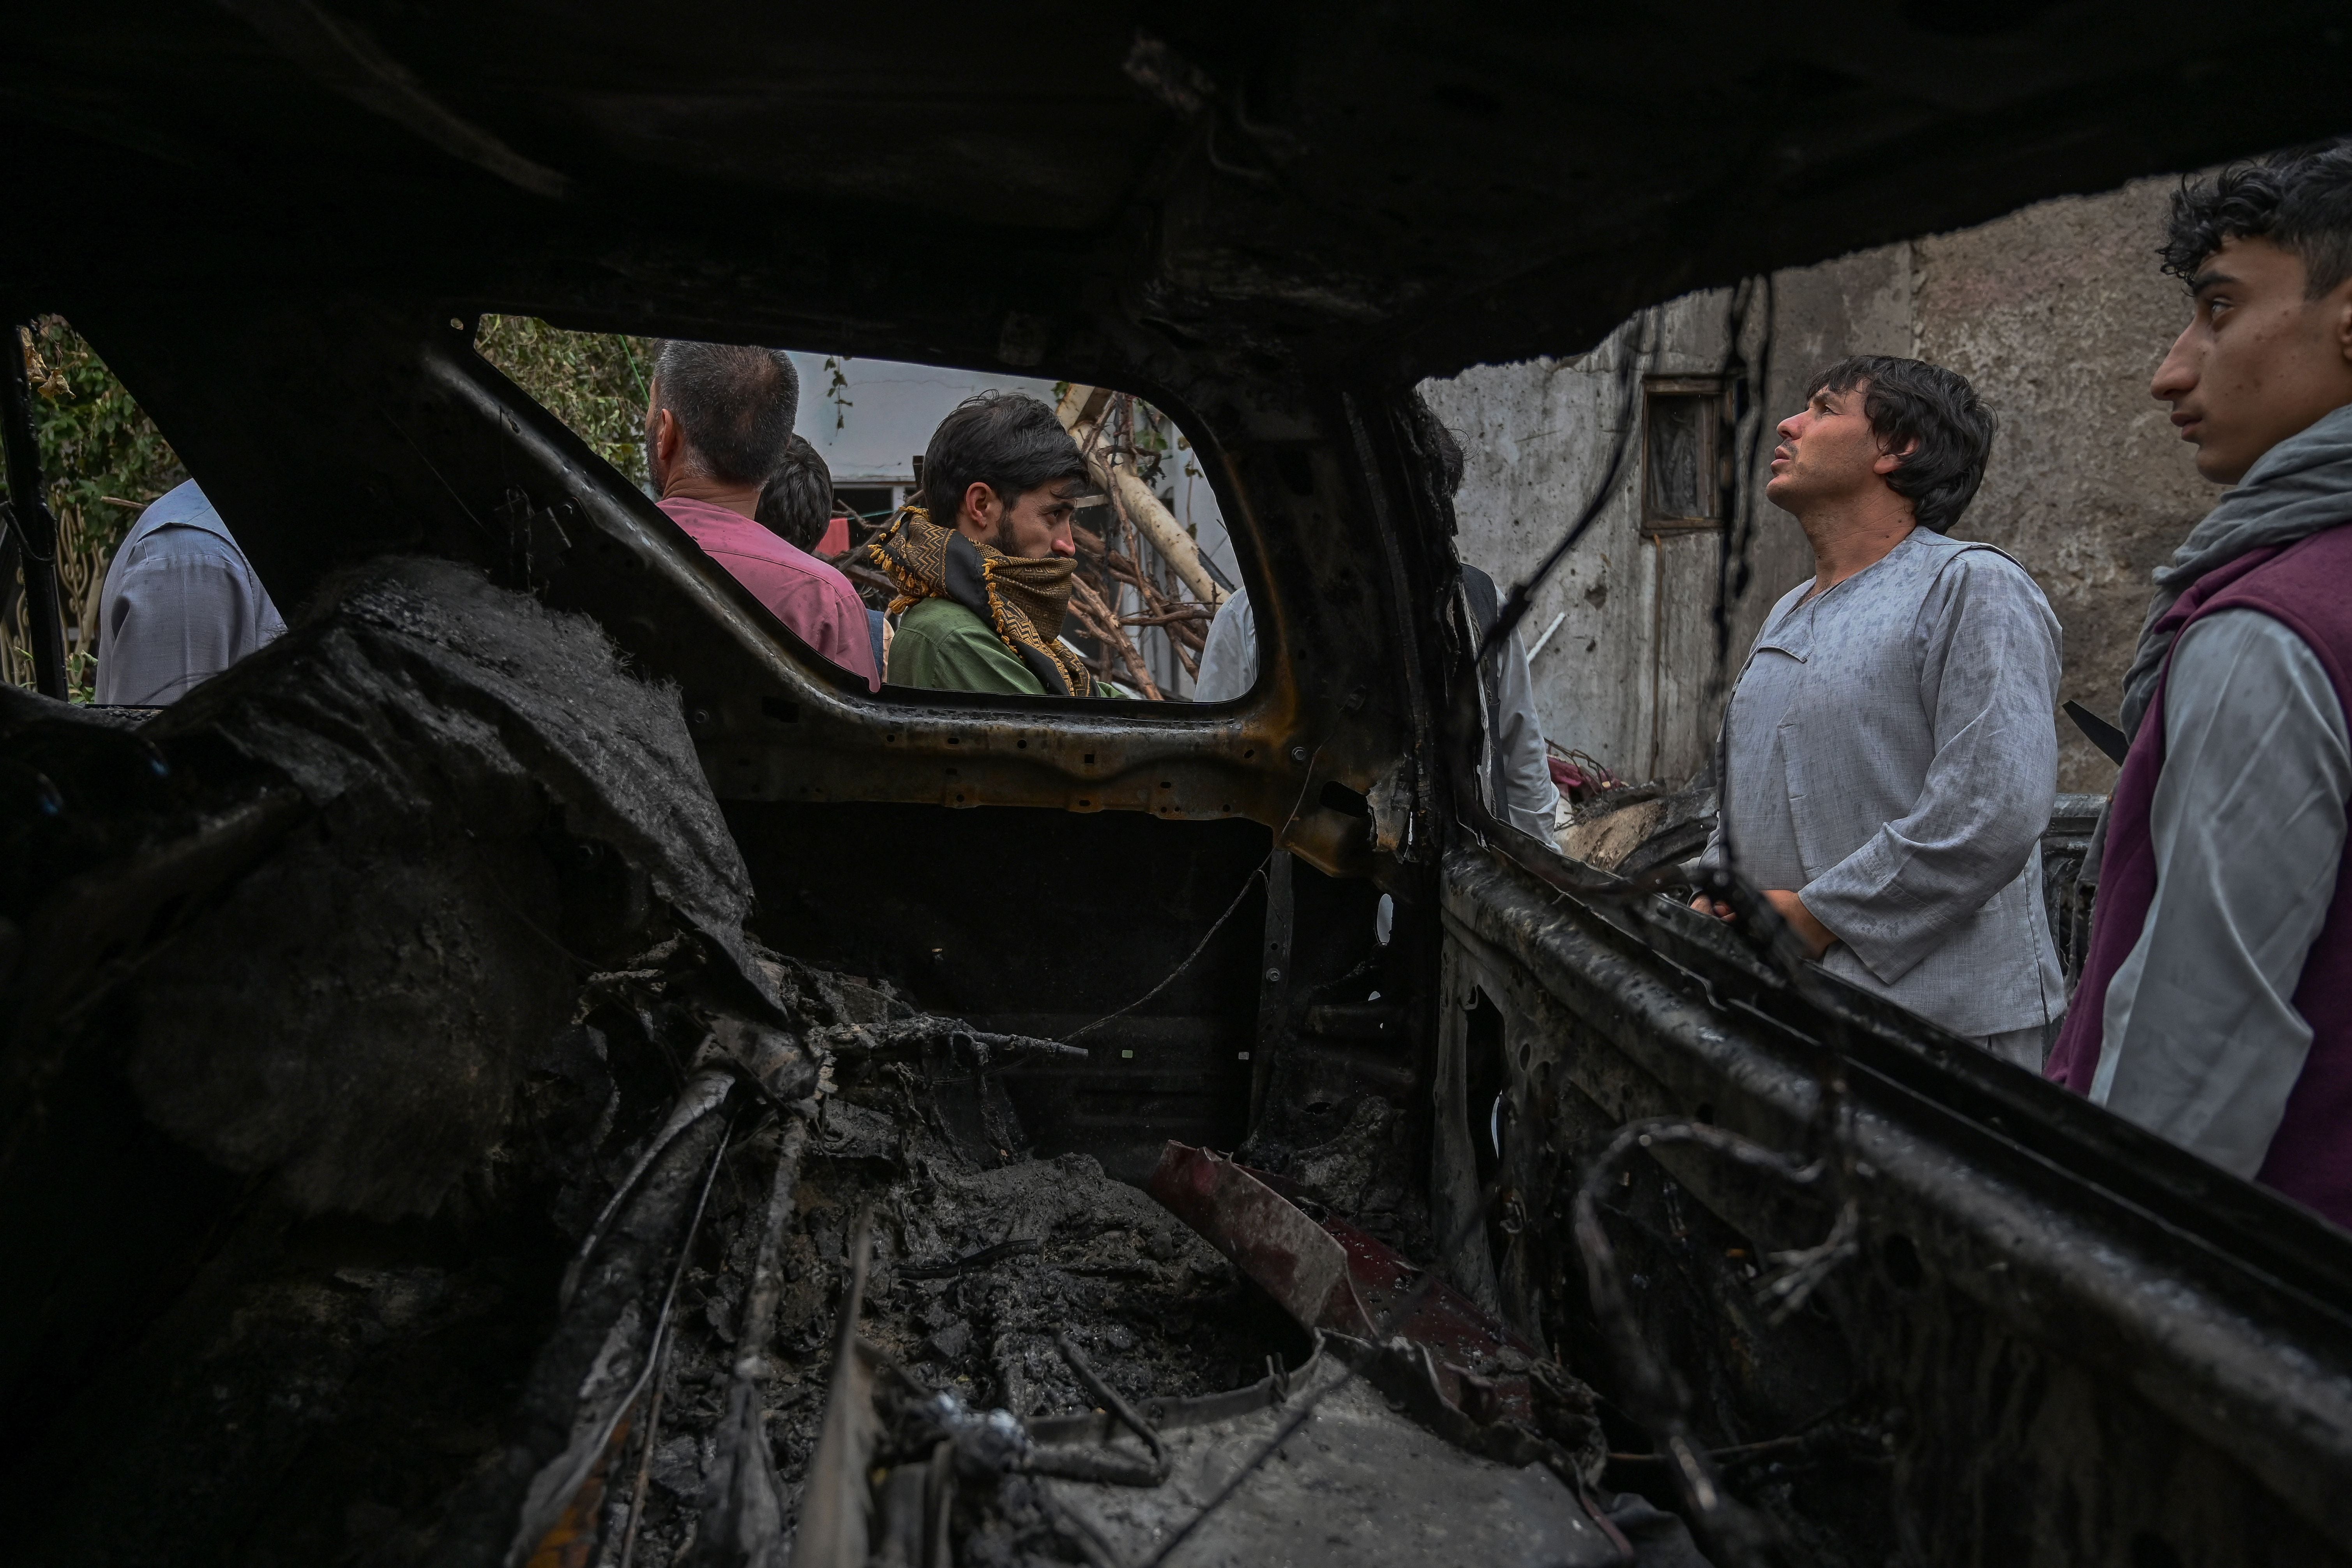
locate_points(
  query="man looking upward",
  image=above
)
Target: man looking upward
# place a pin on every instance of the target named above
(985, 566)
(719, 417)
(1889, 758)
(2215, 1006)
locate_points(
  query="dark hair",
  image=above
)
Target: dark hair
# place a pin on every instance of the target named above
(2300, 201)
(1009, 442)
(735, 406)
(796, 503)
(1910, 400)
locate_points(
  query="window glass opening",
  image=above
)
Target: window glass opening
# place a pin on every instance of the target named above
(1084, 553)
(1680, 488)
(154, 596)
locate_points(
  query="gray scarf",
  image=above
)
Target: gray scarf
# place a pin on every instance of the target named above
(2299, 487)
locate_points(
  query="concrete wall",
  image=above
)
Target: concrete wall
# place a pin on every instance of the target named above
(2057, 314)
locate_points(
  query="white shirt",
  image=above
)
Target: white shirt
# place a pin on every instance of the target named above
(1229, 657)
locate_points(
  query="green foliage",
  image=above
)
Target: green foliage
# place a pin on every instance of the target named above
(102, 459)
(594, 382)
(99, 448)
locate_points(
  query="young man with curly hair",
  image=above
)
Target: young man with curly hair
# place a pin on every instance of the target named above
(2215, 1006)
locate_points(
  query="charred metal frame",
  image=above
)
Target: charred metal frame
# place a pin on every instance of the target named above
(465, 463)
(2006, 1223)
(30, 531)
(2067, 1341)
(2065, 1337)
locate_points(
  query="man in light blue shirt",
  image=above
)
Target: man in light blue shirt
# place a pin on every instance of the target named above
(1890, 755)
(180, 603)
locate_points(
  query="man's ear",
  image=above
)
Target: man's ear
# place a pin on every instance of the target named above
(661, 445)
(979, 498)
(1888, 461)
(2340, 304)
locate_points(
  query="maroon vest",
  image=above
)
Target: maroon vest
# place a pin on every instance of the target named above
(2306, 586)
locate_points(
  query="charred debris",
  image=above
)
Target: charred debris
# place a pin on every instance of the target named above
(409, 1158)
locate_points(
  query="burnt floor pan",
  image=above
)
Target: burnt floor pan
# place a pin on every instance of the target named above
(546, 1220)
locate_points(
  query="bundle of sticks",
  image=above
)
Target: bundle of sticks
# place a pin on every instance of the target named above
(1137, 546)
(1185, 622)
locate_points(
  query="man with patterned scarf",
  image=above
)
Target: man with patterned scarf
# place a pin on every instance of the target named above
(2215, 1006)
(983, 567)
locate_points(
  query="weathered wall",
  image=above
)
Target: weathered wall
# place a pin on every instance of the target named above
(2057, 313)
(2059, 316)
(1631, 675)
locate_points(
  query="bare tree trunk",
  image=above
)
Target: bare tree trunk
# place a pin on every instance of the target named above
(1081, 414)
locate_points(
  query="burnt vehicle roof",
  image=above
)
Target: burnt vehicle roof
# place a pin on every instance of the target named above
(1406, 190)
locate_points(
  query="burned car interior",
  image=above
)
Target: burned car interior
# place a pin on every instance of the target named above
(536, 1066)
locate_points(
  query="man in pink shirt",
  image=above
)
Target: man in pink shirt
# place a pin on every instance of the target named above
(717, 421)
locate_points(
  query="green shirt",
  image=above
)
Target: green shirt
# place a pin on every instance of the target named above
(941, 644)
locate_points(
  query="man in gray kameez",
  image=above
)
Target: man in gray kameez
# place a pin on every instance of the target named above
(1889, 758)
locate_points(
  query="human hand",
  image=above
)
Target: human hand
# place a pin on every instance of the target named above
(1816, 936)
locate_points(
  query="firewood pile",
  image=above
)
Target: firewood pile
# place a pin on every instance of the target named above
(1136, 563)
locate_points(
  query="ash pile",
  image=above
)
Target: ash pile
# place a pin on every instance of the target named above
(405, 1157)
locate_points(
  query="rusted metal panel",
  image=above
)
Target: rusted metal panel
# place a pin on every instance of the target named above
(1265, 1235)
(1330, 1274)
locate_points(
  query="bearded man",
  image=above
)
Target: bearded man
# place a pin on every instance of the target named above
(981, 597)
